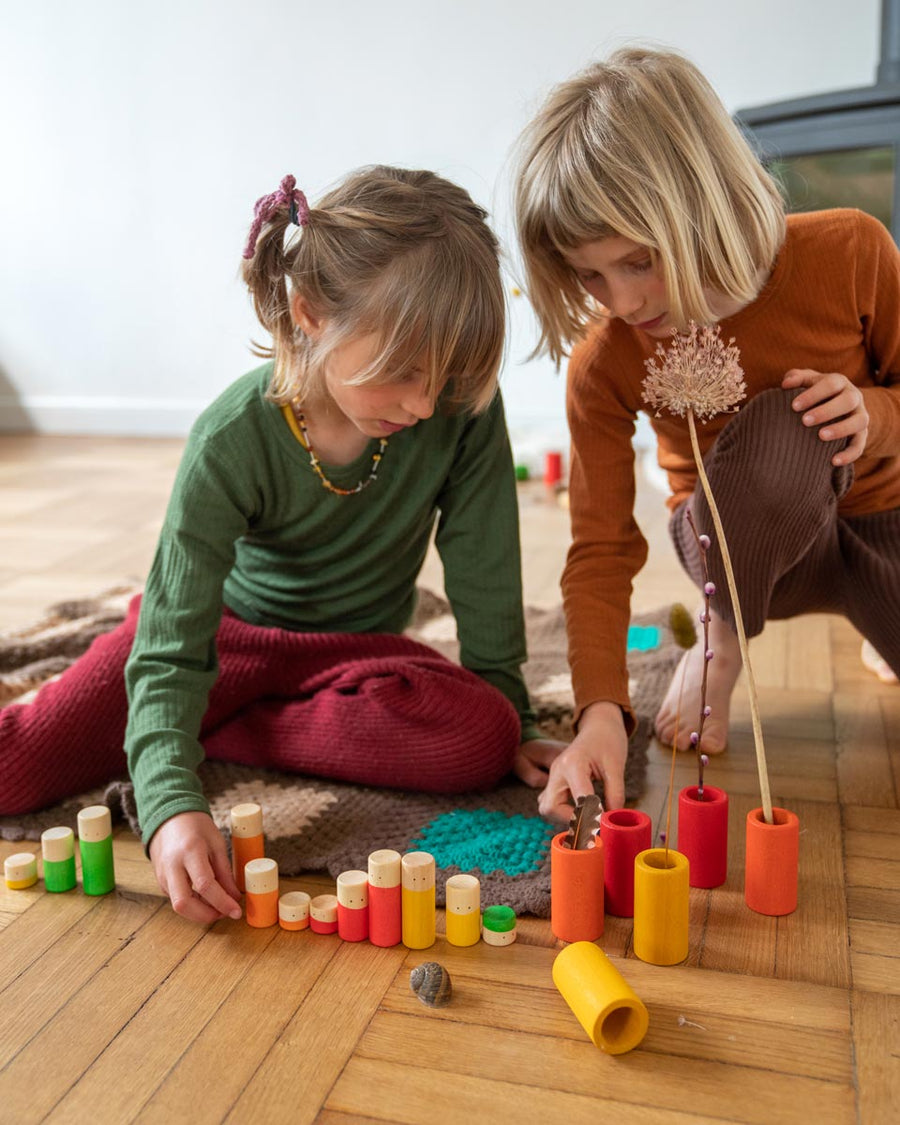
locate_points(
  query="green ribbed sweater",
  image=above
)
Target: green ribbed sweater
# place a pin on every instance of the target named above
(249, 525)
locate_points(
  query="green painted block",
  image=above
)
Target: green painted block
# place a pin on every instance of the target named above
(98, 876)
(60, 876)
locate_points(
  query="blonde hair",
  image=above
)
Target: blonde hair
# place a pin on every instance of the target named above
(640, 146)
(404, 255)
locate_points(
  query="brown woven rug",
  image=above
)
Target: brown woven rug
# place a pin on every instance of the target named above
(325, 826)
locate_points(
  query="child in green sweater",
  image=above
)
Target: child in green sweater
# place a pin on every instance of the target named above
(270, 629)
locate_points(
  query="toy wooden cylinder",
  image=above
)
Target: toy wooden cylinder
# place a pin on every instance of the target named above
(498, 925)
(323, 914)
(293, 910)
(552, 468)
(353, 905)
(385, 905)
(772, 861)
(58, 850)
(247, 842)
(605, 1005)
(661, 906)
(417, 897)
(20, 871)
(703, 834)
(261, 877)
(625, 833)
(98, 876)
(463, 914)
(576, 890)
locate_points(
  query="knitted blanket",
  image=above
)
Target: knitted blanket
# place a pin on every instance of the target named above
(325, 826)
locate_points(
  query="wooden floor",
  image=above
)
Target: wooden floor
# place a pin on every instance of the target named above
(114, 1010)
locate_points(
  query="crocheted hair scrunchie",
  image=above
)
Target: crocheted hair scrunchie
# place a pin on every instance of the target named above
(267, 207)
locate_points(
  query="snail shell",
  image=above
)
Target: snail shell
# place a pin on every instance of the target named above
(431, 983)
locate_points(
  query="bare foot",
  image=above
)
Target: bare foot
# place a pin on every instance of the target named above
(724, 669)
(876, 663)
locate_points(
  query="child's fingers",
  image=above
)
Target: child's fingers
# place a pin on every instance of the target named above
(205, 884)
(185, 902)
(221, 865)
(525, 770)
(852, 450)
(613, 791)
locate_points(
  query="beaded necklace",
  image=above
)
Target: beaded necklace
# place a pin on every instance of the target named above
(317, 468)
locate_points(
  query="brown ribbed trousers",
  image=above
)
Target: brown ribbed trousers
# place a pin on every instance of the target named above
(792, 553)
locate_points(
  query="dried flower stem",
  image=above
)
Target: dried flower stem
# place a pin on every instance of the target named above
(761, 767)
(702, 547)
(672, 768)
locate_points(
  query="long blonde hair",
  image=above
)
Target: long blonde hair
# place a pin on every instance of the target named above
(403, 254)
(640, 146)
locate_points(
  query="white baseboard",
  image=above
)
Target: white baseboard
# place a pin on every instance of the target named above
(98, 414)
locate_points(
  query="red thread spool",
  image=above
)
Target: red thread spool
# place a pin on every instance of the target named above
(703, 833)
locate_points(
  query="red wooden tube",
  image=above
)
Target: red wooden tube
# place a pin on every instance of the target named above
(703, 834)
(625, 833)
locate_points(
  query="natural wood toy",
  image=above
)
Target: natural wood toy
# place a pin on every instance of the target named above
(625, 833)
(20, 871)
(58, 850)
(576, 875)
(661, 906)
(293, 910)
(385, 901)
(247, 840)
(430, 981)
(98, 876)
(498, 925)
(615, 1019)
(323, 914)
(417, 893)
(261, 882)
(353, 905)
(463, 914)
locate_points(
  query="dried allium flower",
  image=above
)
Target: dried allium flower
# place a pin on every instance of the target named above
(697, 372)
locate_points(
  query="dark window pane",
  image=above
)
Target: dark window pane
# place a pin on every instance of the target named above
(860, 177)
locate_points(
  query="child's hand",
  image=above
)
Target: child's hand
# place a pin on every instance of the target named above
(598, 751)
(834, 403)
(191, 864)
(534, 758)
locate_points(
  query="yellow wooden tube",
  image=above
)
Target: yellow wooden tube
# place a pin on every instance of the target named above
(417, 900)
(661, 906)
(612, 1014)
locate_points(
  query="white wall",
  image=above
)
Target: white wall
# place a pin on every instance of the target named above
(135, 139)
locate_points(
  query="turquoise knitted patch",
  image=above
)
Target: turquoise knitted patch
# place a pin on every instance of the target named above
(486, 840)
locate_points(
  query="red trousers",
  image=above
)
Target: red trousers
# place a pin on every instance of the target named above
(792, 551)
(376, 709)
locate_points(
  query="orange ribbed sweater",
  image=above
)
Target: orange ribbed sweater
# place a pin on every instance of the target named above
(832, 303)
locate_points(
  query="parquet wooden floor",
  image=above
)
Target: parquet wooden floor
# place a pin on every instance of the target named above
(115, 1010)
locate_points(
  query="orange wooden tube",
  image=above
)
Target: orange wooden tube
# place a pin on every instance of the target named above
(576, 890)
(247, 841)
(262, 893)
(771, 862)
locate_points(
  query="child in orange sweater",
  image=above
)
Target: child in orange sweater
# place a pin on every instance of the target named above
(640, 209)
